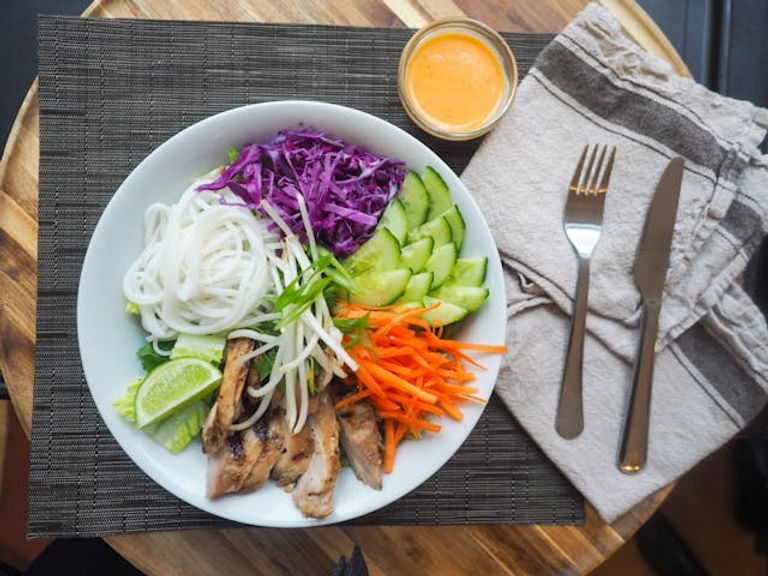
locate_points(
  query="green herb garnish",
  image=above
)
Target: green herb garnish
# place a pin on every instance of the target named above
(150, 359)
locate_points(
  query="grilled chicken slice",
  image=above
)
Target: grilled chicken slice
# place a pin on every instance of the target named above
(244, 463)
(228, 467)
(227, 405)
(271, 444)
(361, 440)
(313, 494)
(294, 458)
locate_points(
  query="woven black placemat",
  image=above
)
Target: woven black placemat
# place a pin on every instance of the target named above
(110, 92)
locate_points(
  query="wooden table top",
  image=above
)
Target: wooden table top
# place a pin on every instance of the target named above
(388, 549)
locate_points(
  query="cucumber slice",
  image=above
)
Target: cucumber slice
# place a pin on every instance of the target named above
(444, 314)
(418, 286)
(456, 222)
(441, 263)
(380, 253)
(469, 271)
(415, 200)
(381, 288)
(439, 195)
(394, 220)
(468, 297)
(438, 229)
(415, 256)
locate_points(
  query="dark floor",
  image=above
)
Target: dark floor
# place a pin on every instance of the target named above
(702, 510)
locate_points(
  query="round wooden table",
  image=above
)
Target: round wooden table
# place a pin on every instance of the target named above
(388, 549)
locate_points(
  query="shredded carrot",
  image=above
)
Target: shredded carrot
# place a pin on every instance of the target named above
(451, 344)
(453, 388)
(409, 342)
(399, 432)
(413, 423)
(456, 375)
(423, 406)
(352, 398)
(399, 332)
(409, 372)
(397, 368)
(384, 403)
(390, 352)
(389, 445)
(459, 355)
(369, 381)
(387, 378)
(451, 409)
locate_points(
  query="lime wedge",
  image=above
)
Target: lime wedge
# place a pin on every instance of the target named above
(174, 385)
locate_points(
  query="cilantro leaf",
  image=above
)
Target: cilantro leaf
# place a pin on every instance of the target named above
(151, 359)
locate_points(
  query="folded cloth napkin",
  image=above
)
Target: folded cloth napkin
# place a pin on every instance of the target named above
(592, 84)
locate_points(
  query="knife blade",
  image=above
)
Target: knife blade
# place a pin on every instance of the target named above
(650, 273)
(653, 253)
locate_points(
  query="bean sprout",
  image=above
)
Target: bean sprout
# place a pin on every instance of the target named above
(300, 343)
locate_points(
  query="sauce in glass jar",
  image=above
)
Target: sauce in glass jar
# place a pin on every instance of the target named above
(456, 78)
(455, 81)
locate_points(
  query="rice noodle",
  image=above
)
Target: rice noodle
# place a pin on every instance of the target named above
(203, 269)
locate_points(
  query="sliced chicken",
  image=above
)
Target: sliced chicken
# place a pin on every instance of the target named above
(313, 494)
(227, 468)
(294, 458)
(243, 465)
(361, 440)
(227, 405)
(271, 445)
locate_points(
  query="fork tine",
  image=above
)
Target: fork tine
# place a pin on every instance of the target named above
(583, 188)
(577, 174)
(607, 174)
(593, 185)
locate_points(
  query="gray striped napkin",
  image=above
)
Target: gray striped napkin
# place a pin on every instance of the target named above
(593, 85)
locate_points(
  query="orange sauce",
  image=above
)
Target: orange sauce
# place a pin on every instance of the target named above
(455, 81)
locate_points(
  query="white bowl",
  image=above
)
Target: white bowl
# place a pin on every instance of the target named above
(109, 338)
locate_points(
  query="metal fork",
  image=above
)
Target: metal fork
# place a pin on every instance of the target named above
(583, 222)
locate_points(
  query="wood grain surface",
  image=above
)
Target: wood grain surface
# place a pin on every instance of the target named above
(515, 550)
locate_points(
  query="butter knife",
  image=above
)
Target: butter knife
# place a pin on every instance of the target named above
(650, 272)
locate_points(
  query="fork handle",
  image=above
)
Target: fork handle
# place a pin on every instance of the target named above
(634, 442)
(570, 409)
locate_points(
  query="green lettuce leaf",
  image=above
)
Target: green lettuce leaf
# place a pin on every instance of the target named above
(205, 347)
(125, 405)
(178, 430)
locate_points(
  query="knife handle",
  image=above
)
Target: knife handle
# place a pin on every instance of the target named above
(634, 444)
(570, 410)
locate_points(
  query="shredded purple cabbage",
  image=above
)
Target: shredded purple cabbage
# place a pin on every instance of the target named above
(346, 189)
